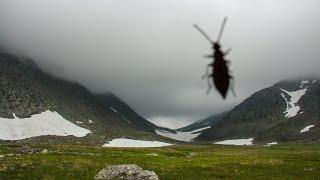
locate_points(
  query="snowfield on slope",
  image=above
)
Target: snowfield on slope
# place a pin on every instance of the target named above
(123, 142)
(306, 129)
(292, 107)
(180, 135)
(238, 142)
(45, 123)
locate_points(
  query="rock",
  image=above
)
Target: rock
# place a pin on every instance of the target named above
(26, 149)
(126, 171)
(192, 154)
(152, 154)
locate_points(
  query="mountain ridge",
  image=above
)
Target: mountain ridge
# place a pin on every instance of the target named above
(262, 115)
(26, 90)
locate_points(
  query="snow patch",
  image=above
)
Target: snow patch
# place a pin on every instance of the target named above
(112, 109)
(200, 129)
(306, 129)
(45, 123)
(126, 119)
(272, 143)
(238, 142)
(123, 142)
(314, 81)
(90, 121)
(292, 107)
(180, 135)
(79, 122)
(302, 83)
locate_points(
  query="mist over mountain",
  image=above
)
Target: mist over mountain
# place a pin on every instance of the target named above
(38, 106)
(159, 89)
(150, 56)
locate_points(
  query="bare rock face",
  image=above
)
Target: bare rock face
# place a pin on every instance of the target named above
(126, 171)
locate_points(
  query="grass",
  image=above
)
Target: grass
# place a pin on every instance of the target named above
(301, 161)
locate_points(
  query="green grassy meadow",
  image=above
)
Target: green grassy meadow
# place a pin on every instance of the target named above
(291, 161)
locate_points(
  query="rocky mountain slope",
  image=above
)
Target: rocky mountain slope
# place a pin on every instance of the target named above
(113, 103)
(275, 114)
(27, 93)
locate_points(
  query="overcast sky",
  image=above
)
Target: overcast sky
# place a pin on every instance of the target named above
(147, 52)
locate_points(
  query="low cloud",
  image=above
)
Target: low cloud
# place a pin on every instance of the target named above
(148, 53)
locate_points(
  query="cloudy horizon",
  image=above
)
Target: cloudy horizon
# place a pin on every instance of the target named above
(149, 55)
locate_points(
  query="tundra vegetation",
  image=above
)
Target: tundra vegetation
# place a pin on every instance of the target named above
(201, 161)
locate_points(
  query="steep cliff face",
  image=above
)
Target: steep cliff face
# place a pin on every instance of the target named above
(18, 91)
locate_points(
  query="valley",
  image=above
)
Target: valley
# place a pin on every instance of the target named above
(286, 161)
(51, 128)
(159, 90)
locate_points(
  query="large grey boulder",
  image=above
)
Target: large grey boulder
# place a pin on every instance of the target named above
(126, 171)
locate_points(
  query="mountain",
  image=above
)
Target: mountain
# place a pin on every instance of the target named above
(210, 121)
(113, 103)
(275, 114)
(46, 108)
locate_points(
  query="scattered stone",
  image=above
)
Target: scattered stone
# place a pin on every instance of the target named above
(308, 169)
(152, 154)
(45, 151)
(192, 154)
(25, 149)
(1, 156)
(127, 172)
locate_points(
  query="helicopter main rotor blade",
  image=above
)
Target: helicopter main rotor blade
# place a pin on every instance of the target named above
(222, 28)
(203, 33)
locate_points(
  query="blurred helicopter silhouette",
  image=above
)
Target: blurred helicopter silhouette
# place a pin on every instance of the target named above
(220, 69)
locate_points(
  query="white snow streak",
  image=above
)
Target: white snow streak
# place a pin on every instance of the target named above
(182, 136)
(79, 122)
(112, 109)
(126, 119)
(123, 142)
(200, 129)
(272, 143)
(46, 123)
(292, 107)
(90, 121)
(238, 142)
(306, 129)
